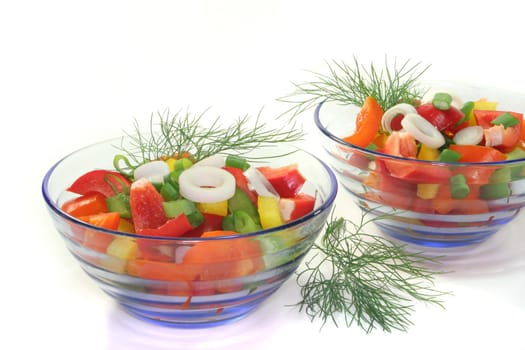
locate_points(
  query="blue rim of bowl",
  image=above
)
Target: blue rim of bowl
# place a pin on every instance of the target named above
(322, 128)
(323, 207)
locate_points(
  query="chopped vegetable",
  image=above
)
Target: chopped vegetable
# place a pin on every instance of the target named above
(422, 130)
(146, 205)
(98, 240)
(87, 204)
(442, 101)
(206, 184)
(396, 112)
(471, 135)
(154, 171)
(269, 212)
(296, 207)
(367, 123)
(286, 180)
(107, 182)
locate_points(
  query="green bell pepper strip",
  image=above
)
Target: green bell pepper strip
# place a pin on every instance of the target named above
(241, 222)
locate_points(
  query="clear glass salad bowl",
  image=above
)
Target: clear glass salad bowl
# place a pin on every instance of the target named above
(439, 220)
(230, 285)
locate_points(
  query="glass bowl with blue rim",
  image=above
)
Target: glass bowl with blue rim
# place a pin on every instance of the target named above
(415, 199)
(152, 281)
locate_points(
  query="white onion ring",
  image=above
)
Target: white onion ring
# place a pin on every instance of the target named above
(471, 135)
(215, 160)
(206, 184)
(259, 183)
(422, 130)
(392, 112)
(153, 171)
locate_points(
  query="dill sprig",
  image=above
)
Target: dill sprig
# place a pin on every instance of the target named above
(172, 135)
(352, 83)
(365, 278)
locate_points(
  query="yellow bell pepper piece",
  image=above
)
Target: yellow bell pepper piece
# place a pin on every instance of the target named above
(481, 104)
(427, 153)
(269, 212)
(171, 163)
(119, 251)
(217, 208)
(486, 105)
(123, 248)
(427, 191)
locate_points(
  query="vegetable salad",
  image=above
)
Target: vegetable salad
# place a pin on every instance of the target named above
(445, 133)
(216, 196)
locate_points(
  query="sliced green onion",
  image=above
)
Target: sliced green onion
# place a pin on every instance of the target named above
(502, 175)
(466, 109)
(448, 156)
(517, 171)
(505, 119)
(241, 222)
(172, 209)
(442, 101)
(182, 164)
(116, 164)
(458, 187)
(119, 203)
(241, 201)
(237, 162)
(169, 191)
(516, 153)
(494, 191)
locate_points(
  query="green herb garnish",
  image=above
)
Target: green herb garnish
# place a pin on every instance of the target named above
(353, 83)
(365, 278)
(174, 135)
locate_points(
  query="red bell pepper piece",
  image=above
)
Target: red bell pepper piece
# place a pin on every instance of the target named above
(211, 222)
(102, 181)
(441, 119)
(97, 240)
(242, 182)
(296, 207)
(88, 204)
(174, 227)
(147, 211)
(286, 180)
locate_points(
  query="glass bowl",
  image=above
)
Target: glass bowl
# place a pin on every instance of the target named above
(229, 285)
(441, 221)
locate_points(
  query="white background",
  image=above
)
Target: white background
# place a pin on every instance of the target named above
(76, 72)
